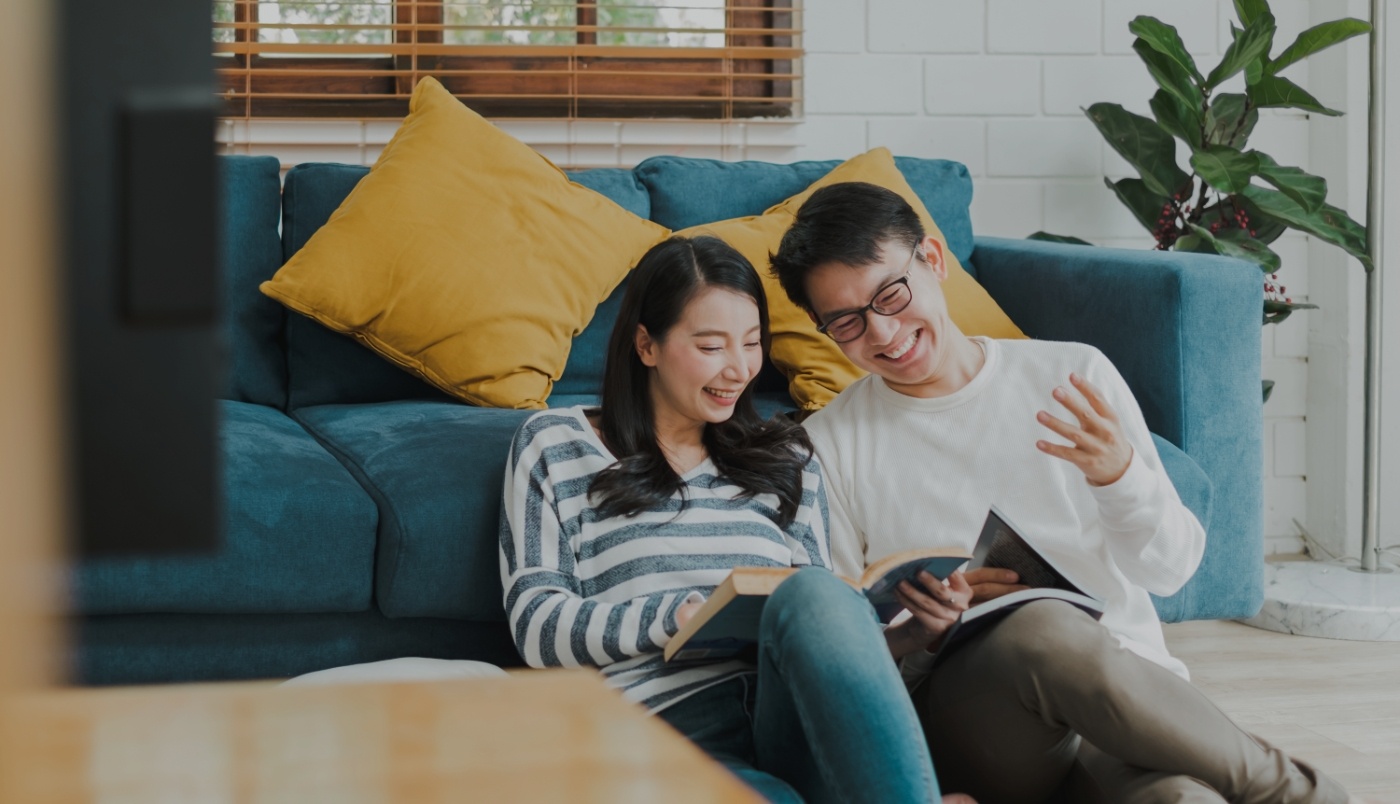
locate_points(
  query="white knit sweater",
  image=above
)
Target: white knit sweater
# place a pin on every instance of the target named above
(906, 472)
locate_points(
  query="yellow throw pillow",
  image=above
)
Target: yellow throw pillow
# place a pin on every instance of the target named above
(465, 257)
(815, 367)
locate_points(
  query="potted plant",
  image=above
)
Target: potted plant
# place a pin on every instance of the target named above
(1235, 200)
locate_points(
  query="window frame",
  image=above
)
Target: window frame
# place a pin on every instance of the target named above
(580, 81)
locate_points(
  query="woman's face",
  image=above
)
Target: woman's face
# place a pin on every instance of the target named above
(705, 360)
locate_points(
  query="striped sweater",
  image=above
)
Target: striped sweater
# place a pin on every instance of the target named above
(585, 591)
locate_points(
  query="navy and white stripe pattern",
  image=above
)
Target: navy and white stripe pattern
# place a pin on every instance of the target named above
(585, 591)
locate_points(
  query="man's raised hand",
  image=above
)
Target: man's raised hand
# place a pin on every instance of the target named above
(1097, 444)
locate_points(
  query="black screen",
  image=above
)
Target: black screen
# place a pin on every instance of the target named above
(138, 244)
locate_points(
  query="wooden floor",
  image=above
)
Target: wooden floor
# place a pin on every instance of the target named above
(1333, 702)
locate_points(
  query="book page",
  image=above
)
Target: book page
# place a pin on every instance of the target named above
(1002, 547)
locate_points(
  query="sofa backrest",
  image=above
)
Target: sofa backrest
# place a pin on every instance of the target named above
(688, 192)
(291, 362)
(250, 203)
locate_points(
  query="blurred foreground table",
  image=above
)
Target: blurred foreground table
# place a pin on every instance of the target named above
(540, 736)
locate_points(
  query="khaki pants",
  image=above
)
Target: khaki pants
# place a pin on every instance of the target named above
(1047, 706)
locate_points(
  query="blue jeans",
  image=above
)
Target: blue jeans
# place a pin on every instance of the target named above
(827, 718)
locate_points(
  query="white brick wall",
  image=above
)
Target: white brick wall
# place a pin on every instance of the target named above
(996, 84)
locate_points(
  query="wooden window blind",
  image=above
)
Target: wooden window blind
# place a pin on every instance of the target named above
(609, 59)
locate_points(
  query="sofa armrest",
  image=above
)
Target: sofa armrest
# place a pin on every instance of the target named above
(1183, 330)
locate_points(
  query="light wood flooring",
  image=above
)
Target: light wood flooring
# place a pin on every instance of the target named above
(1333, 702)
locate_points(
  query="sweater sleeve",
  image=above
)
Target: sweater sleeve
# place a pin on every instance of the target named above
(553, 624)
(807, 535)
(1153, 537)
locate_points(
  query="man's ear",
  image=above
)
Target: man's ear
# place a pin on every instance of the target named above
(815, 321)
(647, 348)
(934, 255)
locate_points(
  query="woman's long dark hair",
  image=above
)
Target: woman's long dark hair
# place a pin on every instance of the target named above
(757, 455)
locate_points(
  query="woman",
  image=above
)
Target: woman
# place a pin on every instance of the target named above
(617, 523)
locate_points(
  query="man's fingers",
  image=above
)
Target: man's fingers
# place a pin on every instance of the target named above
(1060, 426)
(989, 575)
(1071, 454)
(1094, 396)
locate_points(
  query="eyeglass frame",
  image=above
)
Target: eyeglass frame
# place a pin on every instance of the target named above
(871, 308)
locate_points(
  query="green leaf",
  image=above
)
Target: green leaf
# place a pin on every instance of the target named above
(1225, 168)
(1230, 120)
(1268, 384)
(1253, 72)
(1144, 144)
(1169, 75)
(1266, 228)
(1249, 46)
(1246, 249)
(1054, 238)
(1319, 37)
(1249, 9)
(1274, 92)
(1193, 244)
(1164, 39)
(1328, 223)
(1271, 306)
(1176, 117)
(1145, 205)
(1308, 190)
(1275, 312)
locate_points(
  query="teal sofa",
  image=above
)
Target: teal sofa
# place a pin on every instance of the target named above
(361, 505)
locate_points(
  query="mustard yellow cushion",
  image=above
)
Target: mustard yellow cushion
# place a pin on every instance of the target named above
(815, 367)
(465, 257)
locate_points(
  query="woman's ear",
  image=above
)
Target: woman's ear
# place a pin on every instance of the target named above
(646, 347)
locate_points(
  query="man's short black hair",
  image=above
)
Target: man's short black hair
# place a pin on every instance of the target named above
(845, 223)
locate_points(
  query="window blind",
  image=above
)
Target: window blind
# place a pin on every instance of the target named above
(610, 59)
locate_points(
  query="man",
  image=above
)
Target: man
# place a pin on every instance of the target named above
(946, 426)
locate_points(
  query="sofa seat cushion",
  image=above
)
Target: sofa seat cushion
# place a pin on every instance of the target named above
(435, 469)
(298, 535)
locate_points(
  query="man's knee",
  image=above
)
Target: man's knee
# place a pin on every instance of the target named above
(1044, 633)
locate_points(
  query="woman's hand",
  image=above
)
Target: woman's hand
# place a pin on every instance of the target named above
(932, 609)
(1097, 444)
(686, 611)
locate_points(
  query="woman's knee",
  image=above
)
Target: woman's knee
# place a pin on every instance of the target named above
(817, 597)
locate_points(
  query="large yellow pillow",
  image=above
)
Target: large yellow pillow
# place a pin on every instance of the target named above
(465, 257)
(815, 367)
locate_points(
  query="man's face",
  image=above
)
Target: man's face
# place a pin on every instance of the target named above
(909, 348)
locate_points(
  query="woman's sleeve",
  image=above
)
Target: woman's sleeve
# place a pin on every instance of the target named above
(1153, 537)
(553, 624)
(807, 535)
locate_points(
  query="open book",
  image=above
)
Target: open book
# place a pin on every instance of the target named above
(727, 624)
(1002, 546)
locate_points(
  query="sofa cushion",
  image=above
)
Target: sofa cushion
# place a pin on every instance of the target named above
(298, 535)
(435, 470)
(465, 257)
(687, 192)
(328, 368)
(250, 204)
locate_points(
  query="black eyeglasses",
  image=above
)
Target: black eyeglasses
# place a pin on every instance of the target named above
(890, 299)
